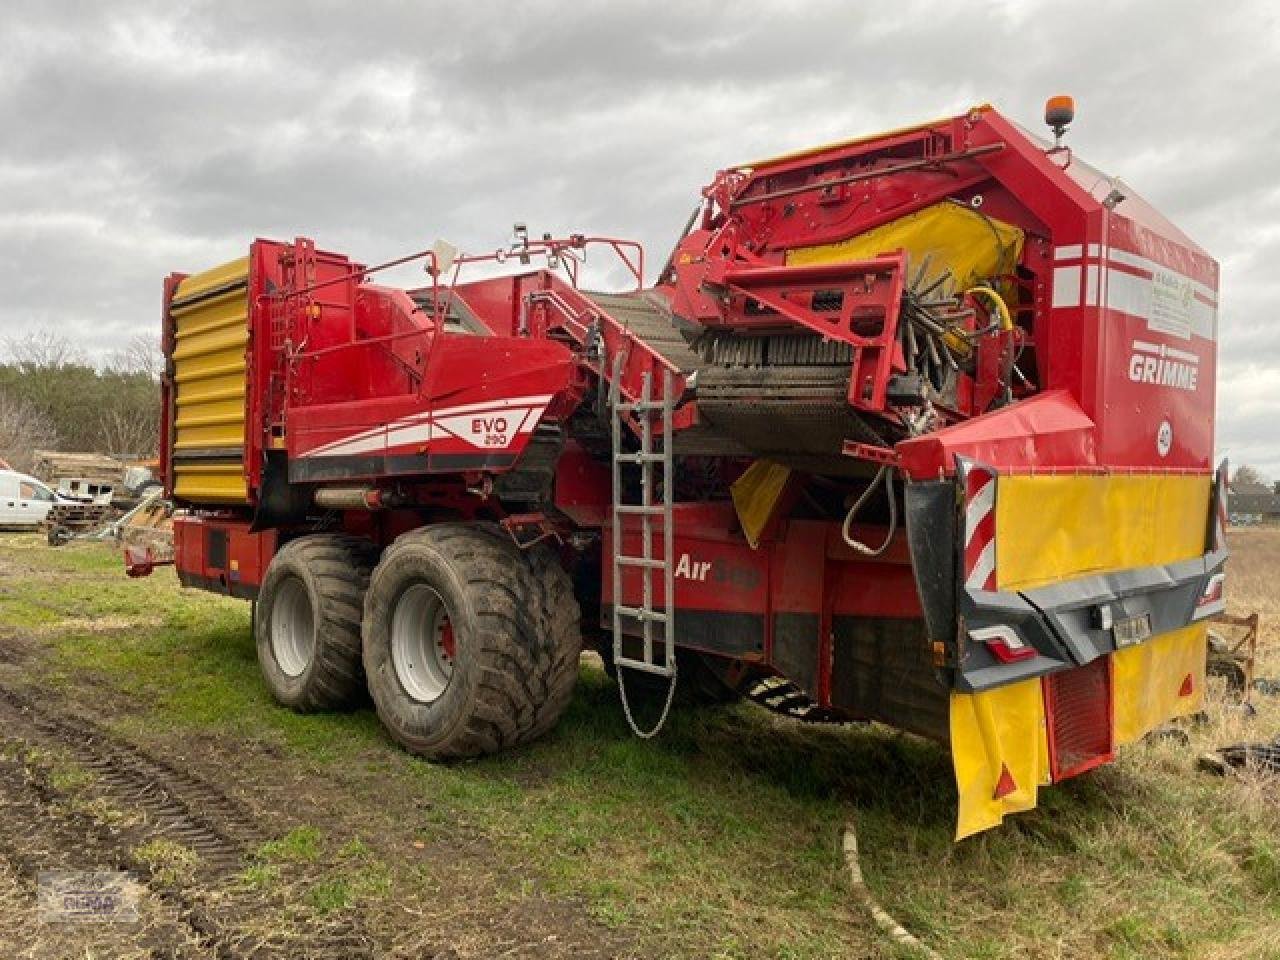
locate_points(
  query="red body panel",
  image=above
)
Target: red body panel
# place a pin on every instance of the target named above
(221, 554)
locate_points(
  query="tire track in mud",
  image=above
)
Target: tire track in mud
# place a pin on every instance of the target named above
(176, 800)
(180, 807)
(40, 834)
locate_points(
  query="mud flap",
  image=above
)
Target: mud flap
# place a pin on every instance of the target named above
(1000, 753)
(1156, 681)
(756, 495)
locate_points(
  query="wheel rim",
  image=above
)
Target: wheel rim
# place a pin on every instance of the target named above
(293, 628)
(422, 643)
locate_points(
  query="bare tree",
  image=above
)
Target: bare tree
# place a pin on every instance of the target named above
(1247, 479)
(44, 350)
(23, 430)
(130, 432)
(140, 355)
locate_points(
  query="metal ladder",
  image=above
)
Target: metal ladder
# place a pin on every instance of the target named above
(647, 613)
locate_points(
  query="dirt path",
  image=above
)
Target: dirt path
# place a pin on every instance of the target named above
(182, 837)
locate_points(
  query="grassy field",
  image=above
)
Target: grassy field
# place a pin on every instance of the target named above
(719, 839)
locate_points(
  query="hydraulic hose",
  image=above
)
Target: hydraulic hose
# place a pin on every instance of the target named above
(894, 930)
(1002, 309)
(885, 474)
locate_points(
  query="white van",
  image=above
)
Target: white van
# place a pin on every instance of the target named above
(24, 501)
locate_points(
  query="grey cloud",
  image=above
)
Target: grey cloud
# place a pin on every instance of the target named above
(144, 138)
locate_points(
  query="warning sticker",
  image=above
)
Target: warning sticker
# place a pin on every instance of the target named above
(1172, 301)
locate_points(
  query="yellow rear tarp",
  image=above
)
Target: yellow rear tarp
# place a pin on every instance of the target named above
(1052, 528)
(1060, 527)
(974, 247)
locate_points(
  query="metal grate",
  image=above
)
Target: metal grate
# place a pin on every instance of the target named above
(1078, 703)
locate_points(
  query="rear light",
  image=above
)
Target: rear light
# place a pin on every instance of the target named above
(1004, 643)
(1213, 598)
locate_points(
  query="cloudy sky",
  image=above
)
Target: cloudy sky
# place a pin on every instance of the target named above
(144, 138)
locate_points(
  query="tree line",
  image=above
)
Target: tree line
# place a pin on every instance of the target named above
(54, 397)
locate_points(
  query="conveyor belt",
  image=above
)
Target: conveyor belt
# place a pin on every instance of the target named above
(649, 317)
(787, 400)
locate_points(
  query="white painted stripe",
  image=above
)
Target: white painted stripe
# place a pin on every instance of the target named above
(1094, 249)
(1072, 251)
(530, 421)
(981, 504)
(1091, 285)
(502, 404)
(1129, 294)
(1142, 263)
(350, 447)
(1066, 286)
(361, 435)
(418, 433)
(983, 568)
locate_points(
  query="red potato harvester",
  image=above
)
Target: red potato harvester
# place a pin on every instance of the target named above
(914, 428)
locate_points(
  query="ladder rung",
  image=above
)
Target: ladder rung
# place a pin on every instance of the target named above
(643, 666)
(636, 509)
(651, 407)
(639, 457)
(639, 614)
(651, 563)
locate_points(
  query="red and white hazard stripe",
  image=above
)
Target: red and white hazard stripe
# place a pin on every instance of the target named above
(979, 527)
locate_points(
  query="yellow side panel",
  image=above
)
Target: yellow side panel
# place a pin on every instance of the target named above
(198, 283)
(210, 483)
(1053, 528)
(755, 495)
(974, 247)
(1147, 681)
(993, 731)
(210, 314)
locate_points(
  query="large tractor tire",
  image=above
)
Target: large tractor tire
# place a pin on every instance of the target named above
(307, 621)
(460, 653)
(562, 626)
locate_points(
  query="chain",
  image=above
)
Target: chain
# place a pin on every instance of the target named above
(626, 706)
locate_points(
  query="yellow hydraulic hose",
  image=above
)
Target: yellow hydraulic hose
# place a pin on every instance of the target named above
(1006, 321)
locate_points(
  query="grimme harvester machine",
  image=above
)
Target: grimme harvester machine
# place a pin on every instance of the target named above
(914, 428)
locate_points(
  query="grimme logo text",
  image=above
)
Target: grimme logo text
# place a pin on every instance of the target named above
(1163, 366)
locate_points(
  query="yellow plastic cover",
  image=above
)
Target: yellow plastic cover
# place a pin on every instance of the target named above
(1148, 682)
(210, 316)
(1060, 527)
(972, 245)
(755, 495)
